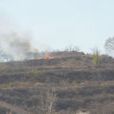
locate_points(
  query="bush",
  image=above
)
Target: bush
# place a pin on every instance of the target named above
(96, 57)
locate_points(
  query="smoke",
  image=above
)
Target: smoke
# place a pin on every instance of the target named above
(16, 46)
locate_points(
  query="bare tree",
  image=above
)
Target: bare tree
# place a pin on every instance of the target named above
(72, 48)
(109, 45)
(48, 98)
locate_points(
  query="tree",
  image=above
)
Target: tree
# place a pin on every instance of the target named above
(72, 48)
(109, 45)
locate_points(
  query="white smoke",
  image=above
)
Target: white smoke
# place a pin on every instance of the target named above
(15, 45)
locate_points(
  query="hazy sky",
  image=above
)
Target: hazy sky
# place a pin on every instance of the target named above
(60, 23)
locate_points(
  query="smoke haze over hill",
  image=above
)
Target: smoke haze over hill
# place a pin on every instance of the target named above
(16, 45)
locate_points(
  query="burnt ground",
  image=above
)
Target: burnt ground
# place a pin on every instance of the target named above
(64, 84)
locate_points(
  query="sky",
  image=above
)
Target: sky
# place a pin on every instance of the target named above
(57, 24)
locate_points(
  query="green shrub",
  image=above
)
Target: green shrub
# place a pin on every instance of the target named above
(96, 57)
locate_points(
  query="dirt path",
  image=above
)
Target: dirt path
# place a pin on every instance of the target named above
(13, 108)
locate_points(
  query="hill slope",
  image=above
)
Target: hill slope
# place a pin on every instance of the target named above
(65, 84)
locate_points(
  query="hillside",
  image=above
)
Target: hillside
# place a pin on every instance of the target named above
(66, 83)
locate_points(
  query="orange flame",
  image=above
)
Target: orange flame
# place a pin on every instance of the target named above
(48, 56)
